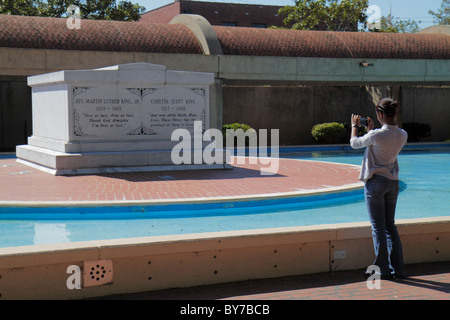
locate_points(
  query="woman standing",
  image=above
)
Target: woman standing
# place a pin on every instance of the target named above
(379, 172)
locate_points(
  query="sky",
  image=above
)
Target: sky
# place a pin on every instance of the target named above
(403, 9)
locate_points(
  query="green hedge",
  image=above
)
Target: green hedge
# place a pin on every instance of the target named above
(330, 132)
(235, 126)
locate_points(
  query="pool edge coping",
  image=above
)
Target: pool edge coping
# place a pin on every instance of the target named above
(334, 228)
(186, 201)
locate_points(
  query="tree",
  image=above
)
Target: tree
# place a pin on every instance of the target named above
(89, 9)
(395, 25)
(442, 16)
(332, 15)
(20, 7)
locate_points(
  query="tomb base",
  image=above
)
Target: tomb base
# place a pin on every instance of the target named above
(63, 163)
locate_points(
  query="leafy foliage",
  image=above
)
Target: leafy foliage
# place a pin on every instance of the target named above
(235, 126)
(329, 132)
(89, 9)
(395, 25)
(442, 16)
(344, 15)
(331, 15)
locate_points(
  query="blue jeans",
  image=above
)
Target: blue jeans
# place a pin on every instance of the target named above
(381, 199)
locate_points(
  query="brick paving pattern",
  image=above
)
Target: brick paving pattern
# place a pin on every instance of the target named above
(21, 183)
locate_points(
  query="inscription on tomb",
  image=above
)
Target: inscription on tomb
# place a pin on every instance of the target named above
(108, 112)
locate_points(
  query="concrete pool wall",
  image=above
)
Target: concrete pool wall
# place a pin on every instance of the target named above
(162, 262)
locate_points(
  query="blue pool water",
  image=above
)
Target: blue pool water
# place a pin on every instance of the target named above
(425, 192)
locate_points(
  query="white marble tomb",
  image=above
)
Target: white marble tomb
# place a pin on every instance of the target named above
(113, 119)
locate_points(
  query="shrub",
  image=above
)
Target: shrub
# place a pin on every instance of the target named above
(416, 130)
(235, 126)
(329, 132)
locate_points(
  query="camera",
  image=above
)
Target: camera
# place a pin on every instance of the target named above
(363, 122)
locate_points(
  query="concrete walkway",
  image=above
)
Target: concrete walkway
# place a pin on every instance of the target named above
(428, 281)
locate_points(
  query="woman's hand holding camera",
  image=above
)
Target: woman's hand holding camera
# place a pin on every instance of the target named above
(356, 122)
(370, 124)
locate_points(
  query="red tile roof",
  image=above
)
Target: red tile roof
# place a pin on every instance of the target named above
(53, 33)
(295, 43)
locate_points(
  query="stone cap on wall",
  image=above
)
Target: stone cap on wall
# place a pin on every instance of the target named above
(139, 72)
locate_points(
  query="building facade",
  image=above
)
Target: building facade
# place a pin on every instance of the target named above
(219, 14)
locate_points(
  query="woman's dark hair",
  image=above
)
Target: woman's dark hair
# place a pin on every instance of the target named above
(388, 106)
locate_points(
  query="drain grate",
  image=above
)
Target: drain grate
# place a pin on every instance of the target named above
(97, 273)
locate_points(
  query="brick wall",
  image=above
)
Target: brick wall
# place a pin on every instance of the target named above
(242, 15)
(162, 15)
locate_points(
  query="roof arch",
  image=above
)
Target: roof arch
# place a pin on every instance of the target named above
(96, 35)
(329, 44)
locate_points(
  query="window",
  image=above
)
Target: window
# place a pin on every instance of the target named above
(259, 25)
